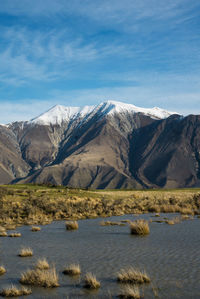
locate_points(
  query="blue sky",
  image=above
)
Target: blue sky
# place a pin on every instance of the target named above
(75, 52)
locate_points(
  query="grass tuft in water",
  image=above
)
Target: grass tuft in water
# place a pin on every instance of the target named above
(14, 235)
(139, 227)
(132, 275)
(2, 270)
(71, 225)
(41, 278)
(35, 228)
(130, 292)
(24, 252)
(14, 291)
(42, 264)
(90, 281)
(73, 269)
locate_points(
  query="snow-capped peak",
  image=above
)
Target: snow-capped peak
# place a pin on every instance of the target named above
(59, 113)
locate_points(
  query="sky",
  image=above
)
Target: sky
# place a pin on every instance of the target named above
(76, 53)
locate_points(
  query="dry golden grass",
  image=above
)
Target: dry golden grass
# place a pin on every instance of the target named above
(3, 234)
(14, 291)
(2, 270)
(130, 292)
(90, 281)
(42, 278)
(71, 225)
(14, 235)
(132, 275)
(46, 203)
(42, 264)
(24, 252)
(186, 211)
(10, 226)
(139, 227)
(73, 269)
(35, 228)
(2, 229)
(157, 215)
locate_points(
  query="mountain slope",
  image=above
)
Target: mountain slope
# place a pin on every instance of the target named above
(12, 164)
(110, 145)
(167, 153)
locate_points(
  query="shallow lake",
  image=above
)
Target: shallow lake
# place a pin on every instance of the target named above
(169, 254)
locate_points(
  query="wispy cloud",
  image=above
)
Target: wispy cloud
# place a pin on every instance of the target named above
(112, 10)
(32, 55)
(145, 52)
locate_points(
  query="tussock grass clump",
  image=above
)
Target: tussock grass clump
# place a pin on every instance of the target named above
(157, 215)
(40, 278)
(10, 226)
(35, 228)
(24, 252)
(14, 291)
(186, 211)
(169, 208)
(2, 229)
(71, 225)
(132, 275)
(42, 264)
(139, 227)
(130, 292)
(3, 234)
(14, 235)
(2, 270)
(73, 269)
(90, 281)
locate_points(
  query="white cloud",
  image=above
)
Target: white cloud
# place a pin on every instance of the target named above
(34, 55)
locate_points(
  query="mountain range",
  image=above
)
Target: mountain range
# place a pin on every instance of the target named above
(110, 145)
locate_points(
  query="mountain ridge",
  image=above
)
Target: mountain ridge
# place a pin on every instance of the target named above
(59, 113)
(110, 145)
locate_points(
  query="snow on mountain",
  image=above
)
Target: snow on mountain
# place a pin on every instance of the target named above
(59, 114)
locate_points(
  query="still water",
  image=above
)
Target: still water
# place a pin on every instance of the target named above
(170, 255)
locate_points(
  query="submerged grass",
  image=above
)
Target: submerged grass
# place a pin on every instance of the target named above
(107, 223)
(35, 228)
(174, 220)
